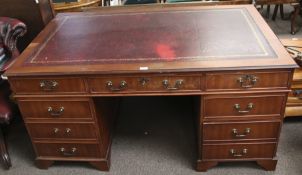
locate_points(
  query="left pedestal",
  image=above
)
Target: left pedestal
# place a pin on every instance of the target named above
(69, 128)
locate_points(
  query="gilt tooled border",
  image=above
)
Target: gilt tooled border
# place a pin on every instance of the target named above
(204, 57)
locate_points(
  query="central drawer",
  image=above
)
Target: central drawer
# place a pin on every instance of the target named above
(237, 105)
(62, 130)
(239, 151)
(68, 150)
(231, 131)
(55, 108)
(144, 83)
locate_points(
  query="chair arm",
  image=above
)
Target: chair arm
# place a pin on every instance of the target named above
(10, 30)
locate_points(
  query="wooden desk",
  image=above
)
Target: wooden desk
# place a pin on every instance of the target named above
(67, 81)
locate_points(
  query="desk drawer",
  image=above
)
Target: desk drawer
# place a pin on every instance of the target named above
(226, 131)
(48, 85)
(55, 109)
(246, 80)
(62, 130)
(244, 105)
(239, 151)
(147, 84)
(68, 150)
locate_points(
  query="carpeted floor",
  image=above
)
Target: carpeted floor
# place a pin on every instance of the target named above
(155, 135)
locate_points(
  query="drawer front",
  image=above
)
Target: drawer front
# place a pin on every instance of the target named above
(238, 131)
(55, 109)
(239, 151)
(246, 81)
(244, 105)
(111, 84)
(148, 84)
(68, 150)
(48, 85)
(62, 130)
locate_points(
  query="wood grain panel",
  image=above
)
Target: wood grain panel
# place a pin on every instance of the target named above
(252, 130)
(38, 108)
(54, 150)
(68, 85)
(262, 105)
(145, 83)
(254, 150)
(265, 80)
(62, 130)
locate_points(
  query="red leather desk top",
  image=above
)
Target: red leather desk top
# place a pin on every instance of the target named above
(160, 39)
(156, 36)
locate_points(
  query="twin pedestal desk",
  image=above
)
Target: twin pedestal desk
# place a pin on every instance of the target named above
(68, 81)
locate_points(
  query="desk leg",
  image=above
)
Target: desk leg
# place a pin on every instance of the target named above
(43, 164)
(101, 165)
(268, 165)
(203, 166)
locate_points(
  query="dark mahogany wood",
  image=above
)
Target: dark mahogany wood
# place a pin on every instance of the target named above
(101, 165)
(110, 55)
(147, 83)
(37, 108)
(253, 151)
(269, 165)
(43, 164)
(62, 130)
(239, 131)
(216, 81)
(261, 105)
(203, 166)
(49, 85)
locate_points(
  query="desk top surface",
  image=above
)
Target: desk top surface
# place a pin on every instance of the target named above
(172, 39)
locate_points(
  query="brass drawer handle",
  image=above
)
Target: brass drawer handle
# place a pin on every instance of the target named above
(235, 154)
(68, 130)
(297, 93)
(55, 113)
(248, 109)
(56, 130)
(72, 152)
(177, 85)
(123, 85)
(236, 134)
(247, 81)
(48, 85)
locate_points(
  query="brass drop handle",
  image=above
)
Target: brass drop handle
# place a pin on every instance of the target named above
(72, 152)
(55, 113)
(123, 85)
(246, 132)
(247, 81)
(235, 154)
(56, 130)
(49, 85)
(68, 130)
(177, 85)
(249, 107)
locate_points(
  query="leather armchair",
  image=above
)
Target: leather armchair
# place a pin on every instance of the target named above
(10, 30)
